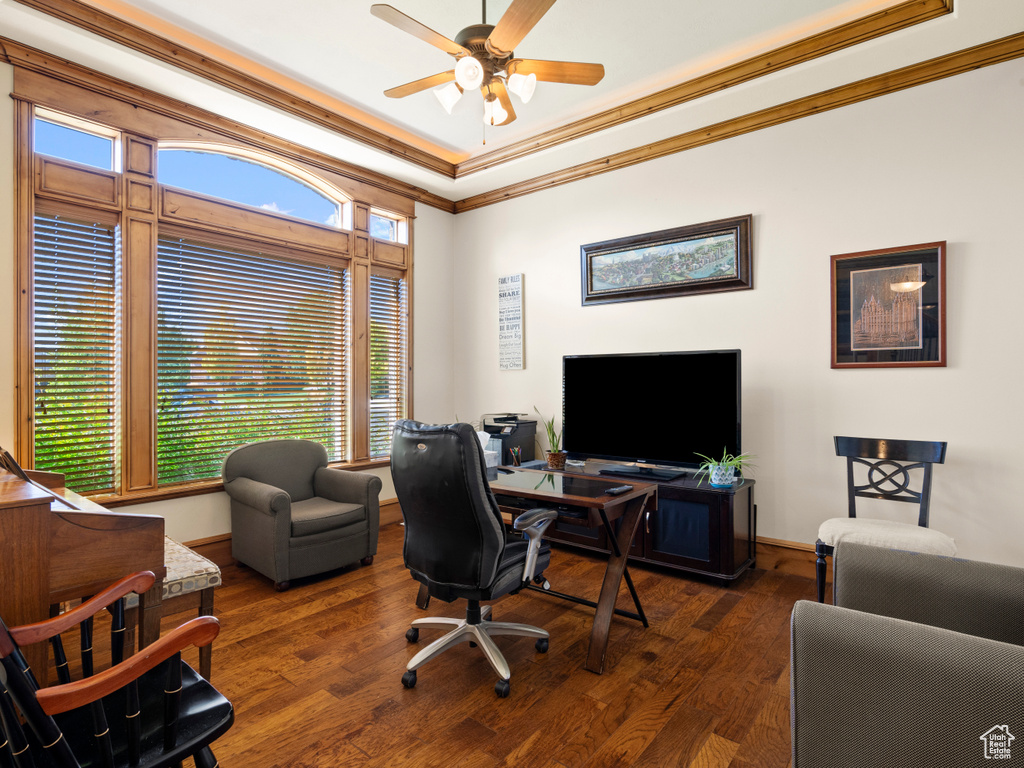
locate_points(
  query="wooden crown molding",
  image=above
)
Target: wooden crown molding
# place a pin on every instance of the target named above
(34, 60)
(883, 22)
(111, 27)
(986, 54)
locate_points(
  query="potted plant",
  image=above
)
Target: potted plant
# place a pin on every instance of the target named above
(721, 473)
(556, 456)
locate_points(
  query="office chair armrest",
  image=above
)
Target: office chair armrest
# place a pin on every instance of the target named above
(44, 630)
(61, 698)
(533, 516)
(969, 596)
(532, 524)
(347, 486)
(265, 498)
(865, 685)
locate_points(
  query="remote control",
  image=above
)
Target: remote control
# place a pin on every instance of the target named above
(619, 489)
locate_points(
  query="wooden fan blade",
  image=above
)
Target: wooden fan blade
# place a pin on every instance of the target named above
(572, 72)
(401, 91)
(513, 26)
(498, 89)
(408, 24)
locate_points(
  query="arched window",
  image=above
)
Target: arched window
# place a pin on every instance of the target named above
(253, 179)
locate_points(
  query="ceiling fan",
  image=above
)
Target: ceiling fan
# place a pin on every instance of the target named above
(484, 59)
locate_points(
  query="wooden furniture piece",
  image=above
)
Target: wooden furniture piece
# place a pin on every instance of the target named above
(689, 526)
(188, 586)
(881, 469)
(584, 502)
(150, 710)
(51, 552)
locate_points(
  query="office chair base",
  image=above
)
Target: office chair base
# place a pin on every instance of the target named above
(462, 631)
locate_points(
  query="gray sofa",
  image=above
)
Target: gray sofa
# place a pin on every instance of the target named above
(293, 516)
(919, 663)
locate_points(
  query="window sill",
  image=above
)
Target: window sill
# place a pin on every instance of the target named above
(210, 486)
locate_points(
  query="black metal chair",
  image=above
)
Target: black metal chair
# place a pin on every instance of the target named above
(455, 541)
(147, 711)
(881, 469)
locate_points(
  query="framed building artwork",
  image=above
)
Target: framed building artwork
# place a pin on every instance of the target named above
(699, 258)
(889, 307)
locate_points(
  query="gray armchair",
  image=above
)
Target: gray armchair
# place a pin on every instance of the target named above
(293, 516)
(919, 663)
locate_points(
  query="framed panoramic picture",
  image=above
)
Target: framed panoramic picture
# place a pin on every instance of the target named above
(701, 258)
(889, 307)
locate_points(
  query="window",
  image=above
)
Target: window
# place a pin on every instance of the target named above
(388, 308)
(245, 181)
(74, 140)
(165, 328)
(75, 360)
(249, 348)
(384, 226)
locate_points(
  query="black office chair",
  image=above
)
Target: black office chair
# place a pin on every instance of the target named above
(456, 544)
(885, 473)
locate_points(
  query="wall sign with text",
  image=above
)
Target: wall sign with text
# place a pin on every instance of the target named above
(510, 322)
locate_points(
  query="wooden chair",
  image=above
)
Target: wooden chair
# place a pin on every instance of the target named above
(149, 710)
(889, 464)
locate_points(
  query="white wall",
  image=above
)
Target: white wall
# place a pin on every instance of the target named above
(942, 161)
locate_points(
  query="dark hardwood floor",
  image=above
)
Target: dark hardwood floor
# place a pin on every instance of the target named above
(315, 674)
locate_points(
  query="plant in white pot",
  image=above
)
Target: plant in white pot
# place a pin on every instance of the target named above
(721, 473)
(556, 456)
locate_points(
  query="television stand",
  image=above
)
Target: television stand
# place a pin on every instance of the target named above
(695, 528)
(644, 473)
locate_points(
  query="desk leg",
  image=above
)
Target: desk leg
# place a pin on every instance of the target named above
(150, 608)
(610, 586)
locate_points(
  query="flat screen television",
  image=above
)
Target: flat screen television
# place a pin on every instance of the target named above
(651, 408)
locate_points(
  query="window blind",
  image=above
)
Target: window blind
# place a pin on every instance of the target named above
(76, 351)
(249, 347)
(388, 344)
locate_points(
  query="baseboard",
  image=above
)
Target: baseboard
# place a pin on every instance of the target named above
(208, 540)
(390, 512)
(792, 557)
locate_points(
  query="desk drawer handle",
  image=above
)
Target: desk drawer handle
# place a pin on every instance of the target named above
(647, 521)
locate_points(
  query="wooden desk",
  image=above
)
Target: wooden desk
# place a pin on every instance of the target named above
(584, 501)
(50, 552)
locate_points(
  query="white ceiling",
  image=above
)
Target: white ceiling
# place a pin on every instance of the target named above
(339, 48)
(345, 57)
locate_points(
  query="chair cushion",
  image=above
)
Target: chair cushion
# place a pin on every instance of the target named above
(317, 515)
(187, 571)
(886, 533)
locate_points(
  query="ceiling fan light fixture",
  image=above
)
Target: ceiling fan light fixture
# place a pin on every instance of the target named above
(494, 113)
(469, 73)
(449, 96)
(523, 86)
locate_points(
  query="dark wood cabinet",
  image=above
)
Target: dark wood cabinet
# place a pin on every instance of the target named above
(694, 527)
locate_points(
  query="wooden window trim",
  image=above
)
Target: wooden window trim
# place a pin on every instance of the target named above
(319, 244)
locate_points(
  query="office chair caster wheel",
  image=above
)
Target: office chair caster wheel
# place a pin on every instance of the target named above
(409, 678)
(541, 645)
(413, 636)
(544, 583)
(502, 688)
